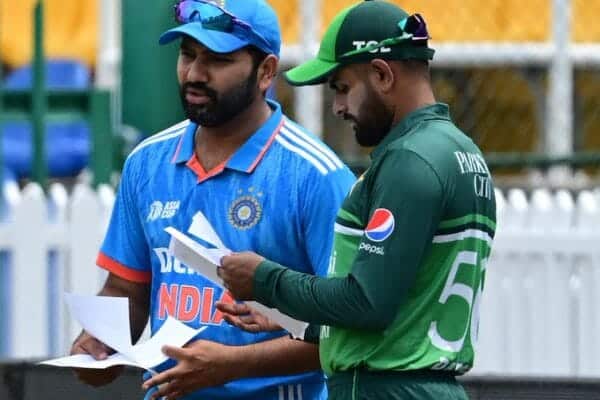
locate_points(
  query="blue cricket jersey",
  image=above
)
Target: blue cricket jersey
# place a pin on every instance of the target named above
(277, 195)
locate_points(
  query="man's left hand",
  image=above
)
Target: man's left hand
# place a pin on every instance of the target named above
(237, 271)
(200, 364)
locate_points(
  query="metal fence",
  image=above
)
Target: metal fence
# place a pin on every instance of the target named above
(521, 78)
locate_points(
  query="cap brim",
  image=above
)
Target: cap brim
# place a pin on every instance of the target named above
(217, 41)
(312, 72)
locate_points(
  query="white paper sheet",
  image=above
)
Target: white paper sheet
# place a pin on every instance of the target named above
(107, 319)
(87, 361)
(194, 255)
(206, 261)
(104, 317)
(202, 229)
(172, 332)
(293, 326)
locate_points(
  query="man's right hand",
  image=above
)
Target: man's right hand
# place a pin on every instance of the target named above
(87, 344)
(247, 318)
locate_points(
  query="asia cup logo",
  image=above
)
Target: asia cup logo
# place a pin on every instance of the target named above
(156, 209)
(381, 225)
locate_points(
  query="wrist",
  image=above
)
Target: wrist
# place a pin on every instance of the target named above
(265, 278)
(236, 361)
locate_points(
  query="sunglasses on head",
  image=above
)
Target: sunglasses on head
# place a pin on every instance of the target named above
(214, 17)
(412, 28)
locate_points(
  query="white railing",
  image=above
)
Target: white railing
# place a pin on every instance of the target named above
(48, 245)
(540, 309)
(541, 304)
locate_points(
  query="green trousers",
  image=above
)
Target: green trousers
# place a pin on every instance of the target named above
(391, 385)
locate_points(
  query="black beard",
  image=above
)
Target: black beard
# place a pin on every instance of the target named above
(221, 107)
(374, 121)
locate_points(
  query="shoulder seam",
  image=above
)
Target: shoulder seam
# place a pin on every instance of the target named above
(169, 133)
(170, 129)
(404, 149)
(302, 154)
(317, 147)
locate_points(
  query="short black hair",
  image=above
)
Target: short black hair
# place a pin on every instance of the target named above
(420, 67)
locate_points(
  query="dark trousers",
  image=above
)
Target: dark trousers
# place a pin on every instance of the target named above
(394, 385)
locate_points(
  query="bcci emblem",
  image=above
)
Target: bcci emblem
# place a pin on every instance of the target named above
(245, 211)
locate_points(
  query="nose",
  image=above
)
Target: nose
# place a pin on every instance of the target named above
(197, 71)
(338, 107)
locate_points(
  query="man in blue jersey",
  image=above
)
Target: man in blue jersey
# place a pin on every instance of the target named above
(255, 176)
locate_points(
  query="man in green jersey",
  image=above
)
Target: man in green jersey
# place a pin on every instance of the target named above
(400, 308)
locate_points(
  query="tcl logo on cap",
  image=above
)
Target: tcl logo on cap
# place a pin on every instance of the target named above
(381, 225)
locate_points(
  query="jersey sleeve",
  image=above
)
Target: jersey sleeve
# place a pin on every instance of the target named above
(405, 207)
(124, 251)
(325, 195)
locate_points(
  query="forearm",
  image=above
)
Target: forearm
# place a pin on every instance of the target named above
(326, 301)
(282, 356)
(139, 301)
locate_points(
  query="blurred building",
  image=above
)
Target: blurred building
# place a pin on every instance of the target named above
(71, 30)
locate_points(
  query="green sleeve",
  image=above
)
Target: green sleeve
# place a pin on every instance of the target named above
(370, 295)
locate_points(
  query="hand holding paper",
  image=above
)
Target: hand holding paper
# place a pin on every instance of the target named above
(207, 260)
(237, 271)
(107, 319)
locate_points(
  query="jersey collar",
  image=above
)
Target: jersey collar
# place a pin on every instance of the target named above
(434, 111)
(245, 159)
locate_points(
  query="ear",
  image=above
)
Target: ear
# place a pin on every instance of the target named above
(267, 71)
(381, 75)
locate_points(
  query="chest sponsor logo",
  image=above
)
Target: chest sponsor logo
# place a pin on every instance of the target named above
(381, 225)
(192, 304)
(245, 211)
(158, 210)
(369, 248)
(192, 301)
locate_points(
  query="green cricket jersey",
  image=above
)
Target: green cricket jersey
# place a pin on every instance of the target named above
(407, 271)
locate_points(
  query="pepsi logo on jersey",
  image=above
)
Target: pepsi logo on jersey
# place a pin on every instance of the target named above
(381, 225)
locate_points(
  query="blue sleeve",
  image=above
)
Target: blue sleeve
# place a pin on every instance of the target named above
(324, 197)
(124, 251)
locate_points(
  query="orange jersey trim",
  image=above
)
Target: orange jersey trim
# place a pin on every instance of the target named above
(203, 175)
(122, 271)
(267, 145)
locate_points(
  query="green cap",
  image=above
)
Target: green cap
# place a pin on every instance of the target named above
(367, 30)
